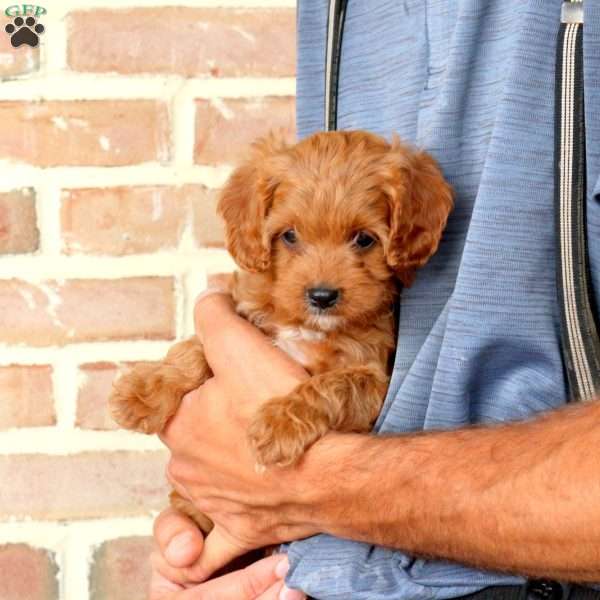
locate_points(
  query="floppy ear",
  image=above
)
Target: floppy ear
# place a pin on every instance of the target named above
(245, 201)
(420, 201)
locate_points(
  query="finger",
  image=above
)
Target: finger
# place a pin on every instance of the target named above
(162, 588)
(273, 592)
(281, 592)
(179, 421)
(218, 551)
(216, 284)
(210, 306)
(286, 593)
(229, 340)
(247, 584)
(177, 576)
(179, 539)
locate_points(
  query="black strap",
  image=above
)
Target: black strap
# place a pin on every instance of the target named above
(335, 31)
(579, 334)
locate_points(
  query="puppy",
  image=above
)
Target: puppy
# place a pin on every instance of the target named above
(321, 230)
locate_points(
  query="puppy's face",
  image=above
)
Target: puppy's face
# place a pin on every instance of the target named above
(331, 221)
(327, 245)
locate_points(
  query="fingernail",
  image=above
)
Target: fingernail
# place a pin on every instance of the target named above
(288, 594)
(178, 547)
(282, 567)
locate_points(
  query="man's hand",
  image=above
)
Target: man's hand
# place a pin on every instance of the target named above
(518, 497)
(211, 463)
(179, 544)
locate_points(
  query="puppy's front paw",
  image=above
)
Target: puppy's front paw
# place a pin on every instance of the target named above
(283, 429)
(186, 507)
(141, 399)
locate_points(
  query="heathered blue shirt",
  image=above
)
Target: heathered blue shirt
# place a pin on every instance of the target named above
(472, 82)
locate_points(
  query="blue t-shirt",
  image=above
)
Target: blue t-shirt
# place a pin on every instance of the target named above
(472, 82)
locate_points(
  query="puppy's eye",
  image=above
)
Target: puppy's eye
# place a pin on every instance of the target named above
(363, 240)
(289, 237)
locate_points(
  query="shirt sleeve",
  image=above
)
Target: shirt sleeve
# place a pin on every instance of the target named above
(327, 568)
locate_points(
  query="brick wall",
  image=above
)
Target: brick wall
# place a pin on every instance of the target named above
(115, 135)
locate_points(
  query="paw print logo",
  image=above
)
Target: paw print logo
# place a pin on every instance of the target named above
(24, 31)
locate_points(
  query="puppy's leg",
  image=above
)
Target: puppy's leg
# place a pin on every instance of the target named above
(146, 397)
(187, 508)
(346, 399)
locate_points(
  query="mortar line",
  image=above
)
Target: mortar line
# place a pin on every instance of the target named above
(72, 86)
(50, 535)
(65, 392)
(48, 215)
(53, 441)
(148, 174)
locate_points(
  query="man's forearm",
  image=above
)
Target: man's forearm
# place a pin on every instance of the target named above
(521, 497)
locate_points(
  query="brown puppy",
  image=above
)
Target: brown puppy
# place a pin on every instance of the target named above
(320, 230)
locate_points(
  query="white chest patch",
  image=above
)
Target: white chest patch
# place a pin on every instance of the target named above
(295, 341)
(293, 349)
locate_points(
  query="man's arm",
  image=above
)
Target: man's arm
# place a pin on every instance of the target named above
(521, 497)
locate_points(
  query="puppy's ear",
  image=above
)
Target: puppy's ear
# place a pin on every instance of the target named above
(245, 201)
(420, 201)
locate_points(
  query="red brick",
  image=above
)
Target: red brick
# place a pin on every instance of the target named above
(84, 133)
(126, 220)
(16, 61)
(208, 226)
(26, 397)
(27, 573)
(187, 41)
(18, 222)
(224, 129)
(123, 220)
(86, 310)
(82, 486)
(121, 569)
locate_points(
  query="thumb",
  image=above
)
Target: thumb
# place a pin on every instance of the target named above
(218, 551)
(178, 538)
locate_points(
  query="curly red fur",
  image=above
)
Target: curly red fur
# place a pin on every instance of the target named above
(327, 188)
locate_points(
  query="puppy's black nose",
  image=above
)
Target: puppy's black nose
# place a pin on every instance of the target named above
(322, 297)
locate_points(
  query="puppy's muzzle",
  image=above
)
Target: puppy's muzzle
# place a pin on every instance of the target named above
(322, 297)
